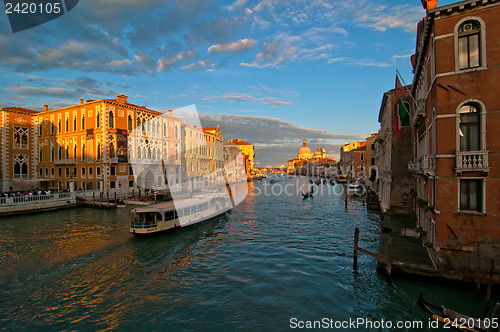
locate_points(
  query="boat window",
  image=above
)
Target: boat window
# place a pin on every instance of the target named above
(139, 218)
(186, 211)
(205, 206)
(194, 209)
(152, 216)
(169, 215)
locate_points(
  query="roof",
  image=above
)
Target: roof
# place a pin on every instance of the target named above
(239, 142)
(20, 109)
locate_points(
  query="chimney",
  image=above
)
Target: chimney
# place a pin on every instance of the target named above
(45, 108)
(121, 98)
(429, 4)
(81, 101)
(170, 113)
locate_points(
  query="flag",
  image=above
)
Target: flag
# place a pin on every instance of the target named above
(401, 114)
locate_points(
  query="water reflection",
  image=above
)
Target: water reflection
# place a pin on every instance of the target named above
(270, 259)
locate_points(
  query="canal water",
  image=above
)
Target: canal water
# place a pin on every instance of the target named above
(274, 263)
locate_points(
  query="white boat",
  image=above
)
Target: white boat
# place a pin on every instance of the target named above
(178, 213)
(356, 189)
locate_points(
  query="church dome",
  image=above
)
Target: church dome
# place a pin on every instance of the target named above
(317, 153)
(304, 151)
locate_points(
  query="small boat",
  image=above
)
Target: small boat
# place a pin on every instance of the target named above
(178, 213)
(308, 194)
(137, 201)
(452, 318)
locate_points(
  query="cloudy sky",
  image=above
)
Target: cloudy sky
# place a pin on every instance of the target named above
(270, 72)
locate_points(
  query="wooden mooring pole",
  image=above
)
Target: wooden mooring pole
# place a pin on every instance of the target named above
(387, 260)
(93, 199)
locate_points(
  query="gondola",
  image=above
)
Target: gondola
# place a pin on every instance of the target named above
(454, 319)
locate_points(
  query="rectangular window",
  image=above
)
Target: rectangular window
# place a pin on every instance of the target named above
(59, 172)
(471, 195)
(113, 170)
(83, 172)
(130, 183)
(91, 171)
(98, 170)
(112, 184)
(67, 172)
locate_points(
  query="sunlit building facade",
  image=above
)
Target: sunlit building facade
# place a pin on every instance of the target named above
(18, 158)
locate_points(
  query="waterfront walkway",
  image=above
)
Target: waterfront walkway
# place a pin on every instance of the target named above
(409, 256)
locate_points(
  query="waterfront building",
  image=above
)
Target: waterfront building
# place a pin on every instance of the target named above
(18, 155)
(457, 157)
(392, 154)
(196, 157)
(248, 151)
(213, 138)
(352, 158)
(307, 163)
(370, 168)
(107, 144)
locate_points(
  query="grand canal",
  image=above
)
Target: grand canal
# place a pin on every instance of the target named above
(274, 260)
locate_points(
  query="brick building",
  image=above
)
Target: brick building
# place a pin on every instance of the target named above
(456, 120)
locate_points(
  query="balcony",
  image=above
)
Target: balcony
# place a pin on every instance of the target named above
(472, 161)
(67, 161)
(423, 165)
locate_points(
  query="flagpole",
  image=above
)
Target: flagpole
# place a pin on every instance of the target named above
(405, 85)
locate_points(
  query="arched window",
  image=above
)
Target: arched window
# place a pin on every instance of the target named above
(60, 153)
(67, 124)
(74, 151)
(469, 45)
(52, 154)
(129, 123)
(469, 128)
(165, 130)
(74, 123)
(98, 119)
(83, 122)
(83, 151)
(111, 120)
(149, 153)
(40, 156)
(59, 128)
(138, 155)
(67, 151)
(99, 151)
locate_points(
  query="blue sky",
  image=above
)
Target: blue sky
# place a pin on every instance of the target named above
(270, 72)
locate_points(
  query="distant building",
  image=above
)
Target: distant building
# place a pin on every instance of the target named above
(370, 168)
(249, 152)
(307, 163)
(457, 159)
(352, 158)
(391, 158)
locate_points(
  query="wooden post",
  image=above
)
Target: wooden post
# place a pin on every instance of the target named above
(93, 199)
(355, 258)
(388, 263)
(100, 200)
(107, 195)
(346, 195)
(115, 199)
(488, 290)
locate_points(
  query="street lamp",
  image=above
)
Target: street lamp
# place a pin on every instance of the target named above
(405, 198)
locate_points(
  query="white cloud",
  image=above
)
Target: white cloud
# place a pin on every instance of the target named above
(166, 63)
(242, 45)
